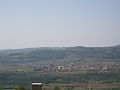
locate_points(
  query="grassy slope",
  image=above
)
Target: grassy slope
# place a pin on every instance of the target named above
(65, 54)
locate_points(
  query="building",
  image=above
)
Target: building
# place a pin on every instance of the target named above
(37, 86)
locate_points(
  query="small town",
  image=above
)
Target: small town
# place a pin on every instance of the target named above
(98, 68)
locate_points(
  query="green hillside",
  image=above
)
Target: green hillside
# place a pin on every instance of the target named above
(42, 54)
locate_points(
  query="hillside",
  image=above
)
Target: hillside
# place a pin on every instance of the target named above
(48, 54)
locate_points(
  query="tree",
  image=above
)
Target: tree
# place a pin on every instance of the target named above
(56, 88)
(20, 88)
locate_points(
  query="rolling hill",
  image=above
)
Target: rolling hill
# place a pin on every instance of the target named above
(58, 53)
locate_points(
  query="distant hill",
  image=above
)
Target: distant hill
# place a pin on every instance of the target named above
(58, 53)
(96, 52)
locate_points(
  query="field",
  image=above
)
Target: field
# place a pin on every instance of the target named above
(66, 81)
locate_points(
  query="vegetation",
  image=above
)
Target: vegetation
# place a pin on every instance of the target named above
(12, 73)
(73, 53)
(56, 88)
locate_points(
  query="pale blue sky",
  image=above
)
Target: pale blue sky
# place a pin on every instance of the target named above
(58, 23)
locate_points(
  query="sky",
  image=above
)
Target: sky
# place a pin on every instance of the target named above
(59, 23)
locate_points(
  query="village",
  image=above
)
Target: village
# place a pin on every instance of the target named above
(98, 68)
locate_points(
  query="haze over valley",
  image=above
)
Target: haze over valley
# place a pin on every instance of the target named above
(63, 44)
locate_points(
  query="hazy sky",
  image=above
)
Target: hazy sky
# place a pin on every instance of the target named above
(53, 23)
